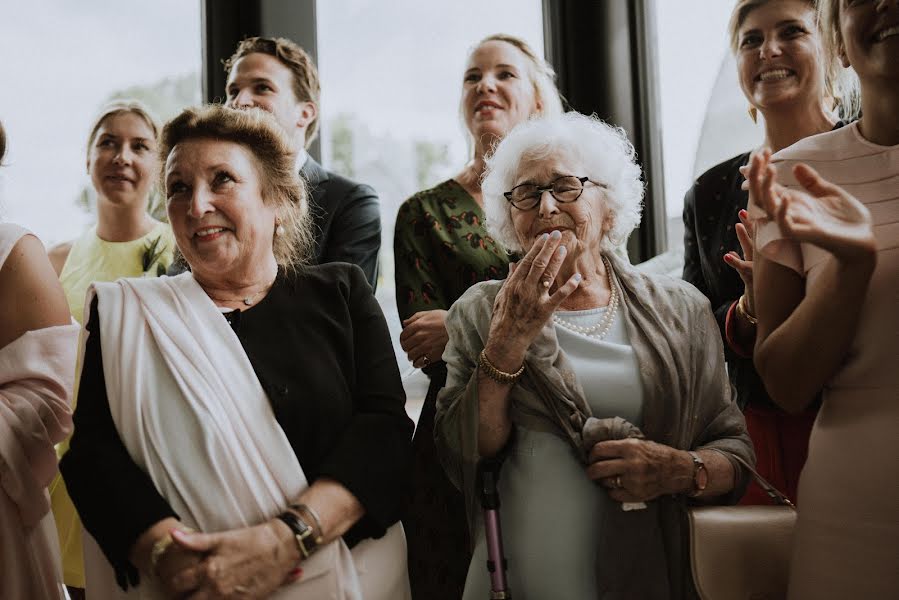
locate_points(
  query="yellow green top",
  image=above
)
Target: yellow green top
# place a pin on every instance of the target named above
(92, 259)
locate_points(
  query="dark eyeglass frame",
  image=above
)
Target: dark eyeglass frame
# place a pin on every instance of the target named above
(549, 188)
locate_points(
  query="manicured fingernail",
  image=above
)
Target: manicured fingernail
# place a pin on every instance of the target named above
(563, 250)
(544, 237)
(577, 277)
(556, 234)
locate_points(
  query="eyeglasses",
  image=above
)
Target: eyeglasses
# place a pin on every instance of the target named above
(566, 188)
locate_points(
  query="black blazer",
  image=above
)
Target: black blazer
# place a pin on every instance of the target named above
(711, 210)
(320, 346)
(346, 218)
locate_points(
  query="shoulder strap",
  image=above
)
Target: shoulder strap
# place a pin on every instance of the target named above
(776, 495)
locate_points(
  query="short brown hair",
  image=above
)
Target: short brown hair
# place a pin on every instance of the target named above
(306, 86)
(268, 143)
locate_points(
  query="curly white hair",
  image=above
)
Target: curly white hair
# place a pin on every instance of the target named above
(604, 151)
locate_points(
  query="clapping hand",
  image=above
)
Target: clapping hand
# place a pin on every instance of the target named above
(743, 266)
(822, 214)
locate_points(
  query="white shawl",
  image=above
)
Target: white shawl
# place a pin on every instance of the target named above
(193, 415)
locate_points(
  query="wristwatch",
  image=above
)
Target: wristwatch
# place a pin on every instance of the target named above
(700, 475)
(305, 536)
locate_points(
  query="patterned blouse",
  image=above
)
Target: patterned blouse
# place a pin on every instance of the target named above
(441, 248)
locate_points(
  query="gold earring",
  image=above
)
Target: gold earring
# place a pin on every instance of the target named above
(753, 114)
(279, 230)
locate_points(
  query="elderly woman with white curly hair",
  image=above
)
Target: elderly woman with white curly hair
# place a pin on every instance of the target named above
(603, 389)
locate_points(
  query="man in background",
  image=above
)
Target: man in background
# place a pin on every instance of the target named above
(278, 76)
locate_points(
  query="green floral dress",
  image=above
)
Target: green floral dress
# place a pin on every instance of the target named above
(440, 250)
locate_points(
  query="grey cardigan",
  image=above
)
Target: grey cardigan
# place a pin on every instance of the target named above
(687, 405)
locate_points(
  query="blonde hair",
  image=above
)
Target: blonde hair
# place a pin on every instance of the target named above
(835, 82)
(845, 81)
(118, 107)
(259, 133)
(539, 72)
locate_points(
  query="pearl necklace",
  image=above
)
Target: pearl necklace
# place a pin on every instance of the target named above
(600, 329)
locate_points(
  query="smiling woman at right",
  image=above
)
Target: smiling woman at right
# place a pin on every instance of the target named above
(827, 284)
(785, 77)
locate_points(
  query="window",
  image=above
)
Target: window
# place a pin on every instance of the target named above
(390, 97)
(63, 61)
(704, 114)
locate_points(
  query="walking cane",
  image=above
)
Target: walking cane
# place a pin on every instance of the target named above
(487, 479)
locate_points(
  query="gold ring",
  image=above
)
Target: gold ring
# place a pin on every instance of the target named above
(547, 282)
(618, 481)
(240, 589)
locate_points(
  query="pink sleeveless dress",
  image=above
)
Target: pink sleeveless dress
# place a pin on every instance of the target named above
(847, 537)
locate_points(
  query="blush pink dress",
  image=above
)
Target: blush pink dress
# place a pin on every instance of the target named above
(37, 371)
(847, 536)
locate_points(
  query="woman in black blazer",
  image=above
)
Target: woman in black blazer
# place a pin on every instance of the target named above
(777, 47)
(240, 428)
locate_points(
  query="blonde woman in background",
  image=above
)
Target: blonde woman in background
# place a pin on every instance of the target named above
(786, 78)
(126, 241)
(441, 248)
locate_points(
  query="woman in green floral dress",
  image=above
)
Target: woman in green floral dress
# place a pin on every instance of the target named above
(441, 248)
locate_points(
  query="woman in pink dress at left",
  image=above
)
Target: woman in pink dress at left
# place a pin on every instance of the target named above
(38, 342)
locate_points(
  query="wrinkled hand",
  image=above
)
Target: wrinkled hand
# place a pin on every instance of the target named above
(239, 564)
(822, 214)
(644, 469)
(527, 300)
(743, 266)
(424, 337)
(174, 560)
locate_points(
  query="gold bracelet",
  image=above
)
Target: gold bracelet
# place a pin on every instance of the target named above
(741, 308)
(494, 373)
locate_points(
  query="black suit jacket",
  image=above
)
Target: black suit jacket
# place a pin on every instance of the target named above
(711, 210)
(346, 218)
